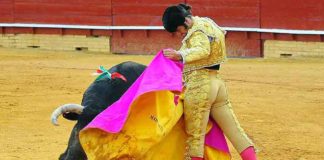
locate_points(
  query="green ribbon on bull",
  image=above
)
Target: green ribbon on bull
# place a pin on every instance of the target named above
(105, 73)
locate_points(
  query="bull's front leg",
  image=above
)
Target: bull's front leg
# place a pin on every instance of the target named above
(74, 150)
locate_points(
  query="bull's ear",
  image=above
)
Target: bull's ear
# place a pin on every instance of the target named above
(118, 75)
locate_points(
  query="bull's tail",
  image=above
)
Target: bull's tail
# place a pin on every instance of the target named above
(66, 108)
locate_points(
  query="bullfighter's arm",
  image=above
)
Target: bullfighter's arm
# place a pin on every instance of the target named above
(196, 47)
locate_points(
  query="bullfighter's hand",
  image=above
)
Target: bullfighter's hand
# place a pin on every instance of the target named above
(172, 54)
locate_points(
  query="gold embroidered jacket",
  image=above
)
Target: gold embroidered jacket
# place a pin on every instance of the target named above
(204, 45)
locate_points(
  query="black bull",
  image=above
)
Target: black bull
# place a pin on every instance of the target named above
(96, 98)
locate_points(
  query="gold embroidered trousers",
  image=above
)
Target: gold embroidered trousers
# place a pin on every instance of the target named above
(205, 96)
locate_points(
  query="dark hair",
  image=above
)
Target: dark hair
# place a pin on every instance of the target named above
(186, 7)
(174, 16)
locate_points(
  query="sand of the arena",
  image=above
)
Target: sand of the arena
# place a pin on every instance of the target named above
(279, 102)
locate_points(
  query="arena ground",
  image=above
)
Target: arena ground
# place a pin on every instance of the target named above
(279, 102)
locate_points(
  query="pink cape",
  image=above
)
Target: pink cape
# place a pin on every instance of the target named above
(161, 74)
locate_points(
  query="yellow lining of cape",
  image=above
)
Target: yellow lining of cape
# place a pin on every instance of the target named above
(154, 130)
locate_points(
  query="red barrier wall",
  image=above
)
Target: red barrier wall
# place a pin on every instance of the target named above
(94, 12)
(141, 13)
(230, 13)
(292, 14)
(75, 12)
(6, 11)
(284, 14)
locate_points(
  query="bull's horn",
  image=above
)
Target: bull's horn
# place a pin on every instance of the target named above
(74, 108)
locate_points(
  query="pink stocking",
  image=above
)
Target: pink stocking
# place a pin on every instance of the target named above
(248, 154)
